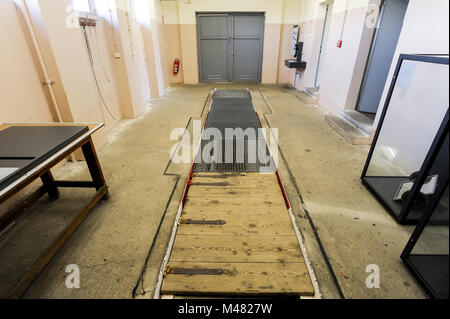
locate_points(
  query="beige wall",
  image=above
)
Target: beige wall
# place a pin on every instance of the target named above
(311, 26)
(23, 96)
(271, 52)
(133, 53)
(340, 64)
(172, 50)
(292, 10)
(180, 27)
(153, 38)
(125, 84)
(161, 31)
(285, 75)
(149, 40)
(280, 17)
(425, 31)
(342, 69)
(111, 72)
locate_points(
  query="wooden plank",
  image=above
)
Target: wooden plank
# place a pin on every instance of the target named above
(240, 279)
(8, 217)
(234, 183)
(279, 216)
(241, 194)
(230, 202)
(230, 206)
(279, 225)
(199, 211)
(236, 238)
(231, 249)
(91, 126)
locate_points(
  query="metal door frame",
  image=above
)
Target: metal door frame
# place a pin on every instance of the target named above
(230, 42)
(327, 11)
(370, 57)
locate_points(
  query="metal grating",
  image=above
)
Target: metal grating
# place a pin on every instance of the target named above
(233, 109)
(232, 94)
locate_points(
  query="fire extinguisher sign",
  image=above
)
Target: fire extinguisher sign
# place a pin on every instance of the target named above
(176, 66)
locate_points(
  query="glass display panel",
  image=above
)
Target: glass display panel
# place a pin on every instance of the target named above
(428, 259)
(434, 239)
(435, 181)
(418, 104)
(413, 116)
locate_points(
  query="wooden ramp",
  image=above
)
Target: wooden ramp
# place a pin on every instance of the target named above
(235, 238)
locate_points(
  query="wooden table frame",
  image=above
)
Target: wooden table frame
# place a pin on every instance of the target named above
(50, 186)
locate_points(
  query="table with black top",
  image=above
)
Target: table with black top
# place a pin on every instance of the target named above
(28, 152)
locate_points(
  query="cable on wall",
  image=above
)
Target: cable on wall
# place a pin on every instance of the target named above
(91, 63)
(100, 55)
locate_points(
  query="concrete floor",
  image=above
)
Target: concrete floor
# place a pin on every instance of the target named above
(119, 253)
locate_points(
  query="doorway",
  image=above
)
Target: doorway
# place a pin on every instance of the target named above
(230, 46)
(387, 33)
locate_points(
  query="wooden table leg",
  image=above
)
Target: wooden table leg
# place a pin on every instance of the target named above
(93, 164)
(49, 183)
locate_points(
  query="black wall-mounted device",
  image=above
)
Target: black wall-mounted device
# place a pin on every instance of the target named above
(296, 63)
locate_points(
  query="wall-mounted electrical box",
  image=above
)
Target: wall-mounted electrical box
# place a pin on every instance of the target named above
(296, 63)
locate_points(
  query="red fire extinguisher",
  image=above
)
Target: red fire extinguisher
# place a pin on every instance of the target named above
(176, 66)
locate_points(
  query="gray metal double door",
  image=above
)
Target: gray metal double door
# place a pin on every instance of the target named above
(230, 46)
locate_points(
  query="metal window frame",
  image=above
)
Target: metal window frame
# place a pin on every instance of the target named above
(402, 218)
(429, 289)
